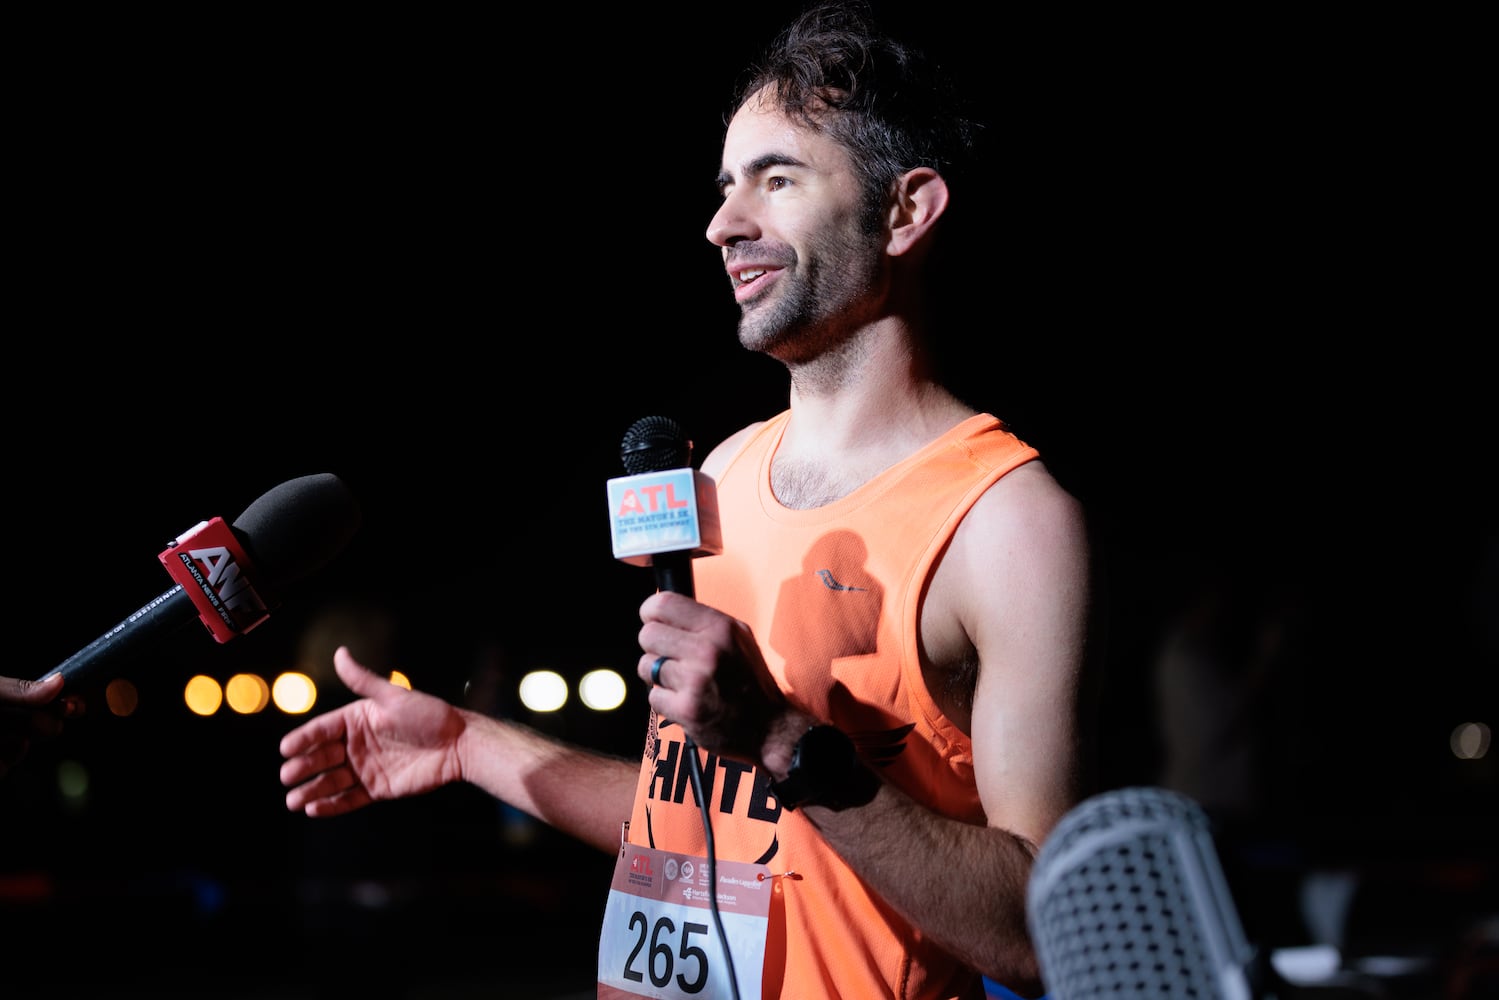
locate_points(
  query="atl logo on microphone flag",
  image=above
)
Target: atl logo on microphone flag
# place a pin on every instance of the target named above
(663, 512)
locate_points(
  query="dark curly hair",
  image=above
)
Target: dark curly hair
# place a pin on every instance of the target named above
(885, 101)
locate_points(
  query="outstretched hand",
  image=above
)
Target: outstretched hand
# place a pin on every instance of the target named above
(389, 744)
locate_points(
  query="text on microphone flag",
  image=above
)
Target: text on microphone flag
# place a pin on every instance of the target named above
(664, 511)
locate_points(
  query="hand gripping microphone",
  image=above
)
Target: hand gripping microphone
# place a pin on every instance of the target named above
(665, 513)
(1127, 900)
(229, 577)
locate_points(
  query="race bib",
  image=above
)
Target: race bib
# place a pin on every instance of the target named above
(659, 938)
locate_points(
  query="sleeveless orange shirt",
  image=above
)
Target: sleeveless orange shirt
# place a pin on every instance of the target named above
(833, 596)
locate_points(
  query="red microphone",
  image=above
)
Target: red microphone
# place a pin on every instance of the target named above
(229, 576)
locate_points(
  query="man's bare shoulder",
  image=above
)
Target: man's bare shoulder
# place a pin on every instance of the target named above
(1009, 598)
(1028, 496)
(1025, 514)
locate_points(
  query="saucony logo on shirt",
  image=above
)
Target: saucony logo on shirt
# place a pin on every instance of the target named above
(880, 747)
(832, 584)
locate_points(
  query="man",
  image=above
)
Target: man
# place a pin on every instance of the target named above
(868, 718)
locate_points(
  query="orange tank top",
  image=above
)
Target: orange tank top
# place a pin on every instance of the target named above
(833, 597)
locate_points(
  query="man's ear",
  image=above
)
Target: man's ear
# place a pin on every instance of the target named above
(920, 199)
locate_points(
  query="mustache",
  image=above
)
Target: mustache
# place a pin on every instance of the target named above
(759, 252)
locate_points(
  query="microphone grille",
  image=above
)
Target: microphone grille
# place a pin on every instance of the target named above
(1127, 900)
(655, 444)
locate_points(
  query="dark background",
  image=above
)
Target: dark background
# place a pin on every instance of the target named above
(1227, 280)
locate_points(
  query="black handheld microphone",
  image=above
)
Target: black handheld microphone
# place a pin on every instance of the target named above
(1127, 900)
(664, 514)
(230, 577)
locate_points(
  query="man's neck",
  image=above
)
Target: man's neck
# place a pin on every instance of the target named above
(845, 431)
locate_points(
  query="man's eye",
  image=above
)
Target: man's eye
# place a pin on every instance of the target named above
(776, 183)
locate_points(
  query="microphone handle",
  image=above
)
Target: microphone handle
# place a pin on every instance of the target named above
(169, 611)
(674, 572)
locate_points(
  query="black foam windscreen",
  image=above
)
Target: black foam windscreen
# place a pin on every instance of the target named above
(298, 527)
(1127, 899)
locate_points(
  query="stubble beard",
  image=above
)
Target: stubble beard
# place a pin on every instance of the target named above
(819, 302)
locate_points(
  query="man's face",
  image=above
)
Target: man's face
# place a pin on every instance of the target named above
(804, 264)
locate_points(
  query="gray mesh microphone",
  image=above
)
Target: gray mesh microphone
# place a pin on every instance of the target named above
(1127, 900)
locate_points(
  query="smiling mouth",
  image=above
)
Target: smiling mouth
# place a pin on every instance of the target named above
(747, 283)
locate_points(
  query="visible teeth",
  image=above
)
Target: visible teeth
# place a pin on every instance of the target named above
(749, 275)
